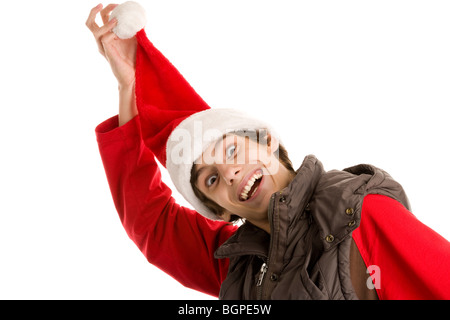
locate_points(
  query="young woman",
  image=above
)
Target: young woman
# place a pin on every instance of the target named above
(308, 234)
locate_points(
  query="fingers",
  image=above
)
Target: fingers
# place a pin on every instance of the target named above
(92, 25)
(100, 32)
(90, 22)
(106, 12)
(104, 34)
(106, 28)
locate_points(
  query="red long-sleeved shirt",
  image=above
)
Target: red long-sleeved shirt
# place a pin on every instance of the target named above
(176, 239)
(412, 261)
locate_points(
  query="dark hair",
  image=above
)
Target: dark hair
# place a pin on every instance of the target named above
(259, 136)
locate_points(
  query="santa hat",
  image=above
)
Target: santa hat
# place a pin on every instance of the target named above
(176, 124)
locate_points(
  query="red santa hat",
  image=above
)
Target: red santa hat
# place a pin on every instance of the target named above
(176, 123)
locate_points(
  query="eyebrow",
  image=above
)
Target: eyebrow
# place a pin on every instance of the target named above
(198, 172)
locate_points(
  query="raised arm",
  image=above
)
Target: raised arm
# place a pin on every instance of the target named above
(176, 239)
(121, 55)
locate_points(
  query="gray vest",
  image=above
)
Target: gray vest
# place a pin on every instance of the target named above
(306, 256)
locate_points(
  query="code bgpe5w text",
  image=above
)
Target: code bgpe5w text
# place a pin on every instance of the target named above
(243, 309)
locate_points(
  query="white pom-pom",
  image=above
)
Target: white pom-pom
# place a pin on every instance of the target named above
(130, 19)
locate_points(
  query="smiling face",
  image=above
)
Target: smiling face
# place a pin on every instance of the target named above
(240, 175)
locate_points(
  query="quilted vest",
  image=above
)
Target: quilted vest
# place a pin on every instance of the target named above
(306, 256)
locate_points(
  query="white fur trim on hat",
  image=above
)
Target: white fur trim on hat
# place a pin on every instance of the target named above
(193, 136)
(130, 17)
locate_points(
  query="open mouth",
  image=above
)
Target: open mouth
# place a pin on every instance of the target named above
(251, 187)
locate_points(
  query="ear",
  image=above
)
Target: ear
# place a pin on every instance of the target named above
(272, 143)
(272, 148)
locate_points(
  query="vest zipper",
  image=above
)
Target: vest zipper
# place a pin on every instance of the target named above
(262, 274)
(265, 265)
(259, 287)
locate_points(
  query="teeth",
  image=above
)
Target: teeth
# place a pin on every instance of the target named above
(248, 187)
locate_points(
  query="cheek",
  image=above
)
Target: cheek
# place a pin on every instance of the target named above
(220, 196)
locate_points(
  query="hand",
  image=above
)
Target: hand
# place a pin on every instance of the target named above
(121, 54)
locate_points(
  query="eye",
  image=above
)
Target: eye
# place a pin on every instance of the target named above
(210, 180)
(230, 151)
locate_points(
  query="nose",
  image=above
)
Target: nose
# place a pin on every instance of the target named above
(229, 173)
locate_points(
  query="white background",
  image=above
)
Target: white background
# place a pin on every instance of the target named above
(349, 81)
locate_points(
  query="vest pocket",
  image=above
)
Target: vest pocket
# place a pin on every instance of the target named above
(312, 279)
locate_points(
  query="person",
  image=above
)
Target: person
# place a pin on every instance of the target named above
(307, 233)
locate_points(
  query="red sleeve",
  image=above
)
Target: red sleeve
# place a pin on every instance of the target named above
(176, 239)
(412, 260)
